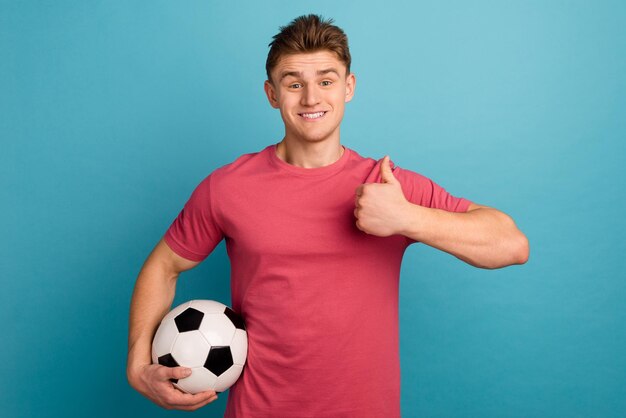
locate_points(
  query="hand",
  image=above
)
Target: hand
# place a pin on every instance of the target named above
(152, 381)
(381, 208)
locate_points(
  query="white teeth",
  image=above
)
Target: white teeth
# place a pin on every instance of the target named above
(312, 115)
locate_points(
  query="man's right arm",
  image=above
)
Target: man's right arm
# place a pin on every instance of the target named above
(152, 299)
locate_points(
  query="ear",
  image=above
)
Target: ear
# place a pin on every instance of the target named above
(350, 86)
(270, 91)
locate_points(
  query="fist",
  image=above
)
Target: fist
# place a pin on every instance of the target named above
(381, 208)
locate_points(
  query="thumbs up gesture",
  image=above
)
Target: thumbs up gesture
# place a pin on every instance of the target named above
(381, 208)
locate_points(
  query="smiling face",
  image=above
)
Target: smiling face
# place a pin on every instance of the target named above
(311, 90)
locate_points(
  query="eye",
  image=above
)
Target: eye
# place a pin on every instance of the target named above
(295, 86)
(326, 83)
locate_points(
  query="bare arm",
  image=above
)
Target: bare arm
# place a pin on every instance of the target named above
(483, 237)
(152, 298)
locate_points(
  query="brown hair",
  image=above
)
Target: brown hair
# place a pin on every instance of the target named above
(308, 33)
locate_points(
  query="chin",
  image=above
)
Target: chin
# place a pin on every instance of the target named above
(316, 137)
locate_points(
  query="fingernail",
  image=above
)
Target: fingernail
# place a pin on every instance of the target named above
(187, 372)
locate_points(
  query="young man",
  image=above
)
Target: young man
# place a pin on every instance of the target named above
(315, 234)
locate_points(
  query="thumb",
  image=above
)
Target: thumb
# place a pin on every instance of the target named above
(179, 372)
(386, 173)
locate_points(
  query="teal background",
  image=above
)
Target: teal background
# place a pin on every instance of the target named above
(111, 112)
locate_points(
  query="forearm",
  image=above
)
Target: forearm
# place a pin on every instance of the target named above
(152, 298)
(483, 237)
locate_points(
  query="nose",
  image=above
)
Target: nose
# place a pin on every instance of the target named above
(310, 95)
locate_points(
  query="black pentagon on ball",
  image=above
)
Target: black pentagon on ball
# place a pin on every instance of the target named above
(219, 360)
(234, 318)
(189, 320)
(169, 361)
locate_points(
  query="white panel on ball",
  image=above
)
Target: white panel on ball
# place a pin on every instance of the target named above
(164, 339)
(208, 306)
(190, 349)
(226, 379)
(200, 380)
(217, 329)
(239, 347)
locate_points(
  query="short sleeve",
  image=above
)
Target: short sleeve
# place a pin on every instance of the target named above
(195, 233)
(423, 191)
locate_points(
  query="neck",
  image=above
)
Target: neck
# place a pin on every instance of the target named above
(309, 155)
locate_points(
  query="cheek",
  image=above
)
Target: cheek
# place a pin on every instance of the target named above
(339, 98)
(288, 103)
(340, 104)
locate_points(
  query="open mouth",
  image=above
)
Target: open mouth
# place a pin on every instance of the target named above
(313, 116)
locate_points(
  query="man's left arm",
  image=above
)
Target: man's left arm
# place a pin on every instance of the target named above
(483, 236)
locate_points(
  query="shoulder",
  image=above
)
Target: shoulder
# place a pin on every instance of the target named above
(242, 166)
(405, 174)
(371, 166)
(359, 163)
(244, 163)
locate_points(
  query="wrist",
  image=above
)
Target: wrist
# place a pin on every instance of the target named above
(135, 368)
(132, 374)
(411, 224)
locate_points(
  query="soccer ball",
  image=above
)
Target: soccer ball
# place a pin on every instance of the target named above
(206, 336)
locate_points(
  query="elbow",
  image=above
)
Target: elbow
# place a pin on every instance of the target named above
(522, 250)
(518, 246)
(516, 252)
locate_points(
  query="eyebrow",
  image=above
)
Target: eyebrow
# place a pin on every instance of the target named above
(298, 74)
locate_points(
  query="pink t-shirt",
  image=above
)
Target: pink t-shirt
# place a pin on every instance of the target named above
(319, 297)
